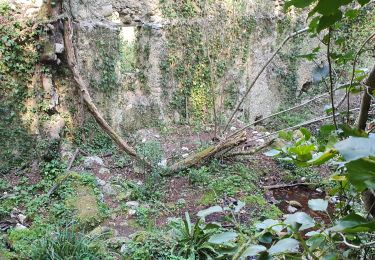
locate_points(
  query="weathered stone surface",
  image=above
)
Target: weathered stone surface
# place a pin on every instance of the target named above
(91, 161)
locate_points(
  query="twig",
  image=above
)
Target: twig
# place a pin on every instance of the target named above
(260, 73)
(251, 152)
(353, 72)
(57, 185)
(302, 124)
(331, 77)
(280, 186)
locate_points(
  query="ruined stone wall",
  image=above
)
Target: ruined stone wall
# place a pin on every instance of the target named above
(151, 90)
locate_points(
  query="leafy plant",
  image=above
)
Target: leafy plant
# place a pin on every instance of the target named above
(69, 244)
(201, 240)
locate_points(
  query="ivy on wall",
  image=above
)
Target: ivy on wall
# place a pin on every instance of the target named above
(18, 56)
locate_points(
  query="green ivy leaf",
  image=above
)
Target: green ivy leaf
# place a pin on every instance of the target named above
(353, 223)
(318, 204)
(330, 7)
(287, 245)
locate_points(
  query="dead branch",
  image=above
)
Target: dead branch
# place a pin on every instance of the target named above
(57, 185)
(83, 88)
(280, 186)
(251, 152)
(260, 73)
(208, 153)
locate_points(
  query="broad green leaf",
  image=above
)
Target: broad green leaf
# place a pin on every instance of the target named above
(361, 173)
(318, 204)
(214, 209)
(287, 245)
(270, 223)
(266, 238)
(253, 250)
(352, 131)
(223, 238)
(301, 218)
(355, 148)
(330, 7)
(353, 223)
(363, 2)
(328, 20)
(303, 152)
(315, 241)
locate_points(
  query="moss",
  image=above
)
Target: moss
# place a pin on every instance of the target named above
(85, 205)
(208, 198)
(261, 208)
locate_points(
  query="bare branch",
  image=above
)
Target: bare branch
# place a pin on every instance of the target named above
(260, 73)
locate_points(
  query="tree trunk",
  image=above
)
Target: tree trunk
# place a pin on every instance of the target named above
(209, 153)
(366, 100)
(367, 196)
(83, 88)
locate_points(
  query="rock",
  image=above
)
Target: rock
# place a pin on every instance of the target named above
(20, 227)
(100, 182)
(90, 161)
(162, 163)
(132, 212)
(185, 155)
(101, 231)
(59, 48)
(232, 128)
(21, 218)
(185, 149)
(124, 248)
(104, 170)
(261, 141)
(255, 132)
(319, 190)
(303, 179)
(132, 204)
(108, 189)
(291, 209)
(123, 195)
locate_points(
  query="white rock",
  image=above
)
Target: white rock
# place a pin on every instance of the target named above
(21, 218)
(104, 170)
(132, 212)
(255, 132)
(291, 209)
(319, 190)
(124, 248)
(303, 179)
(91, 161)
(185, 149)
(59, 48)
(139, 182)
(100, 182)
(132, 204)
(232, 128)
(185, 155)
(162, 163)
(20, 227)
(261, 141)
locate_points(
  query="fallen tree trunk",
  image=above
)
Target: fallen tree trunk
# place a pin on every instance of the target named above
(83, 88)
(208, 153)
